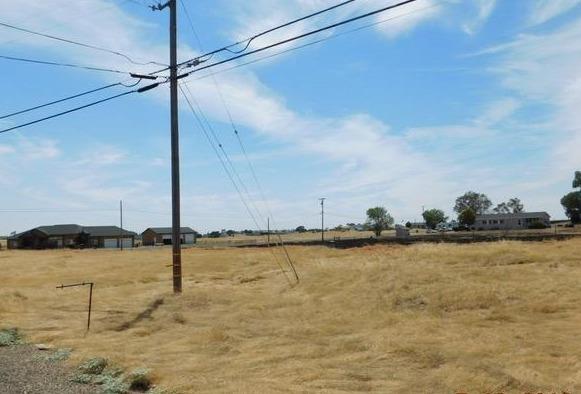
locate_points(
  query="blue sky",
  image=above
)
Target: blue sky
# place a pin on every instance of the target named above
(443, 97)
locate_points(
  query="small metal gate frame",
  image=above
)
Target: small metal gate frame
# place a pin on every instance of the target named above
(91, 284)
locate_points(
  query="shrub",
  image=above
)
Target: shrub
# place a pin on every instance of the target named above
(57, 355)
(114, 385)
(82, 378)
(10, 336)
(93, 366)
(140, 380)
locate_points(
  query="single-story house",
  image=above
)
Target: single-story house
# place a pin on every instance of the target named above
(72, 236)
(511, 221)
(162, 236)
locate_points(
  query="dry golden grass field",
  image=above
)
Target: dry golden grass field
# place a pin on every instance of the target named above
(241, 239)
(500, 317)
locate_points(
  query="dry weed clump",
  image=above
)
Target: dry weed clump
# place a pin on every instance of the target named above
(425, 318)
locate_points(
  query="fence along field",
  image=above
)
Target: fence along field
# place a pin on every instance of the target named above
(497, 317)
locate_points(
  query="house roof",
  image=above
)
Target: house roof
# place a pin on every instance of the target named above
(75, 229)
(167, 230)
(520, 215)
(60, 229)
(106, 231)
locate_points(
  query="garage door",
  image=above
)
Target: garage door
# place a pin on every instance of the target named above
(189, 238)
(127, 243)
(110, 243)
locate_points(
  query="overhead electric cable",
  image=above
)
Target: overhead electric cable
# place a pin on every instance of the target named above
(90, 46)
(310, 33)
(236, 187)
(91, 68)
(226, 156)
(196, 60)
(337, 35)
(248, 41)
(140, 90)
(229, 114)
(61, 100)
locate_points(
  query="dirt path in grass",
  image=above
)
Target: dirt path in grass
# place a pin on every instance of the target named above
(24, 370)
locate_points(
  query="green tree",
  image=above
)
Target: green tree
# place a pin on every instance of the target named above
(378, 219)
(478, 202)
(572, 204)
(501, 208)
(434, 216)
(513, 205)
(577, 180)
(301, 229)
(572, 201)
(467, 217)
(516, 205)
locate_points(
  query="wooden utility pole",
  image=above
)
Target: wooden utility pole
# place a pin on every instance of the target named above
(268, 231)
(322, 218)
(121, 224)
(175, 150)
(175, 145)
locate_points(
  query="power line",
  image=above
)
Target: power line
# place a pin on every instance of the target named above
(249, 40)
(140, 90)
(228, 173)
(310, 33)
(216, 142)
(66, 99)
(228, 112)
(54, 10)
(97, 48)
(91, 68)
(197, 60)
(333, 36)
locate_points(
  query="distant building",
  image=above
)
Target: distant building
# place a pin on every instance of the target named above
(72, 236)
(162, 236)
(511, 221)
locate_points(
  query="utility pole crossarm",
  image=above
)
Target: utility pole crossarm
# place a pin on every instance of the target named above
(159, 6)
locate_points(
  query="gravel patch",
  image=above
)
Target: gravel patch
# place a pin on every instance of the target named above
(23, 370)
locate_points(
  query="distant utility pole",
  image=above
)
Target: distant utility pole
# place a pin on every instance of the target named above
(121, 224)
(268, 231)
(175, 149)
(322, 218)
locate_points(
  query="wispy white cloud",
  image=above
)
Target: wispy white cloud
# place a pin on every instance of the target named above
(370, 163)
(5, 149)
(38, 149)
(498, 111)
(522, 68)
(545, 10)
(102, 155)
(403, 20)
(484, 10)
(104, 188)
